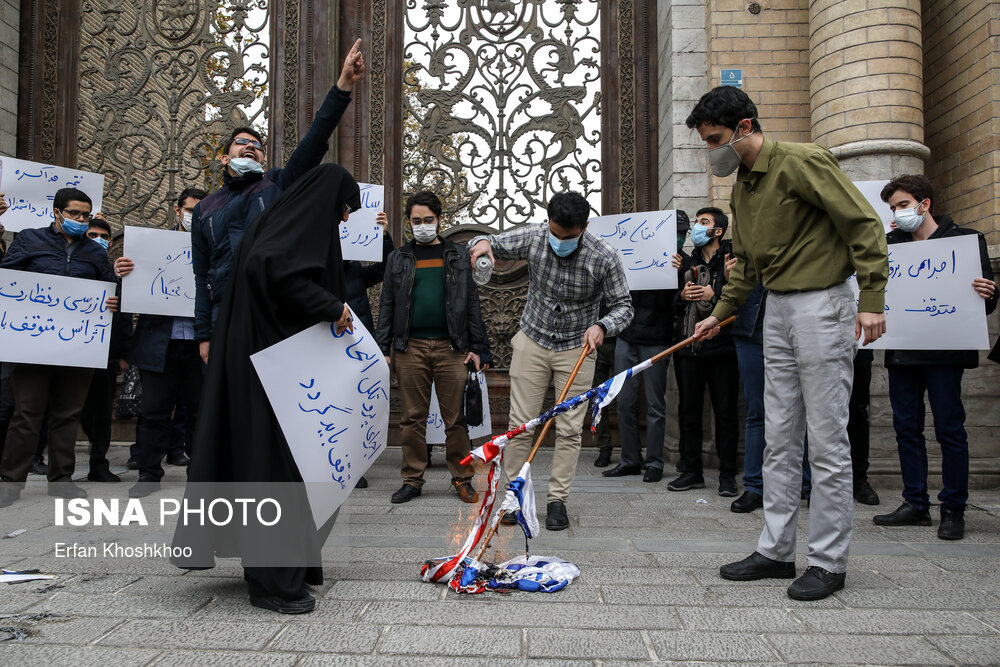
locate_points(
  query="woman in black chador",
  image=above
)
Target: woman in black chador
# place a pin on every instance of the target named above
(288, 276)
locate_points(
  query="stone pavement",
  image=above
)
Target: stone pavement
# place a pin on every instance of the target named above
(649, 590)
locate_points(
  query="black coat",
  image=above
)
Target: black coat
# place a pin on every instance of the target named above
(358, 278)
(653, 321)
(962, 358)
(287, 276)
(44, 250)
(722, 344)
(462, 314)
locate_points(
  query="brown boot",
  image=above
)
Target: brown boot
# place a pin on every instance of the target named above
(466, 493)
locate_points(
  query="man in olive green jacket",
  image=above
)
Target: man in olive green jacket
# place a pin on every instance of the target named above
(801, 228)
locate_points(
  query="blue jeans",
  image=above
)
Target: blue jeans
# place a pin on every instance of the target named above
(750, 356)
(943, 385)
(654, 379)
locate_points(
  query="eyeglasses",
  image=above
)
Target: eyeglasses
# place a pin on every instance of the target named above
(429, 220)
(82, 216)
(99, 235)
(243, 141)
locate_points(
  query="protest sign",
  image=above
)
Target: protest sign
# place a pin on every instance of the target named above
(361, 236)
(435, 424)
(162, 282)
(30, 187)
(54, 320)
(330, 394)
(872, 191)
(930, 303)
(646, 242)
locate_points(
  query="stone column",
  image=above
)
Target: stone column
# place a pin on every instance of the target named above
(866, 86)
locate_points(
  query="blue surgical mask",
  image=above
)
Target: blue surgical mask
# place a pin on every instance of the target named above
(74, 228)
(244, 165)
(907, 219)
(563, 247)
(699, 235)
(104, 242)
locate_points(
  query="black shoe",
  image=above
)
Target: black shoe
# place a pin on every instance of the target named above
(905, 515)
(144, 487)
(179, 459)
(38, 467)
(66, 490)
(556, 519)
(362, 483)
(622, 470)
(748, 502)
(865, 494)
(757, 566)
(282, 606)
(8, 495)
(406, 493)
(653, 475)
(727, 486)
(509, 519)
(103, 476)
(132, 463)
(816, 584)
(603, 458)
(687, 480)
(952, 525)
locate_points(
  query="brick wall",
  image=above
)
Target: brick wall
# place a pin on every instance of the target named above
(962, 109)
(9, 39)
(772, 49)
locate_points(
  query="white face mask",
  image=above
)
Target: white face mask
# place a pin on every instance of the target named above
(186, 220)
(244, 165)
(424, 233)
(907, 219)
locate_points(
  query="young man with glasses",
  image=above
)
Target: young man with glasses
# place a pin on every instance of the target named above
(430, 322)
(60, 249)
(221, 219)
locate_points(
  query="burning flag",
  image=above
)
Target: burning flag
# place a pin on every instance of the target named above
(521, 499)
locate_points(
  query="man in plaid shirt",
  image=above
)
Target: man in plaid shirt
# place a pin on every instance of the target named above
(571, 273)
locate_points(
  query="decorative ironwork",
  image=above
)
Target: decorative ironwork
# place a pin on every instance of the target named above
(161, 82)
(501, 103)
(376, 142)
(50, 68)
(626, 119)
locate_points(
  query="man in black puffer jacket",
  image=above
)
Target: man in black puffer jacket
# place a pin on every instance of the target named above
(938, 373)
(712, 362)
(221, 219)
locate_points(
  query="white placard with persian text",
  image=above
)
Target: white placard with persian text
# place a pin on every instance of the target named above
(361, 235)
(54, 320)
(162, 282)
(646, 242)
(930, 303)
(331, 397)
(30, 187)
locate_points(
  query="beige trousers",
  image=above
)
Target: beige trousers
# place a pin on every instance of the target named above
(532, 370)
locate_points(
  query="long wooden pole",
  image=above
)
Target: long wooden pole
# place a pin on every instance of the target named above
(562, 397)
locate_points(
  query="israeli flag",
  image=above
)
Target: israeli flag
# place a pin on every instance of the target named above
(521, 499)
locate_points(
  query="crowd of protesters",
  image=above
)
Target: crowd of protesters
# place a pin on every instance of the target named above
(779, 261)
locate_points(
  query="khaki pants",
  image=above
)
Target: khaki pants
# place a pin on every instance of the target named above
(426, 361)
(532, 370)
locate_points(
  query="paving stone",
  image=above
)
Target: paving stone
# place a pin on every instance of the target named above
(120, 605)
(710, 646)
(699, 596)
(563, 643)
(640, 576)
(327, 660)
(991, 618)
(970, 650)
(854, 649)
(462, 641)
(74, 656)
(240, 609)
(384, 590)
(739, 620)
(923, 599)
(327, 638)
(227, 659)
(52, 629)
(193, 634)
(524, 613)
(892, 621)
